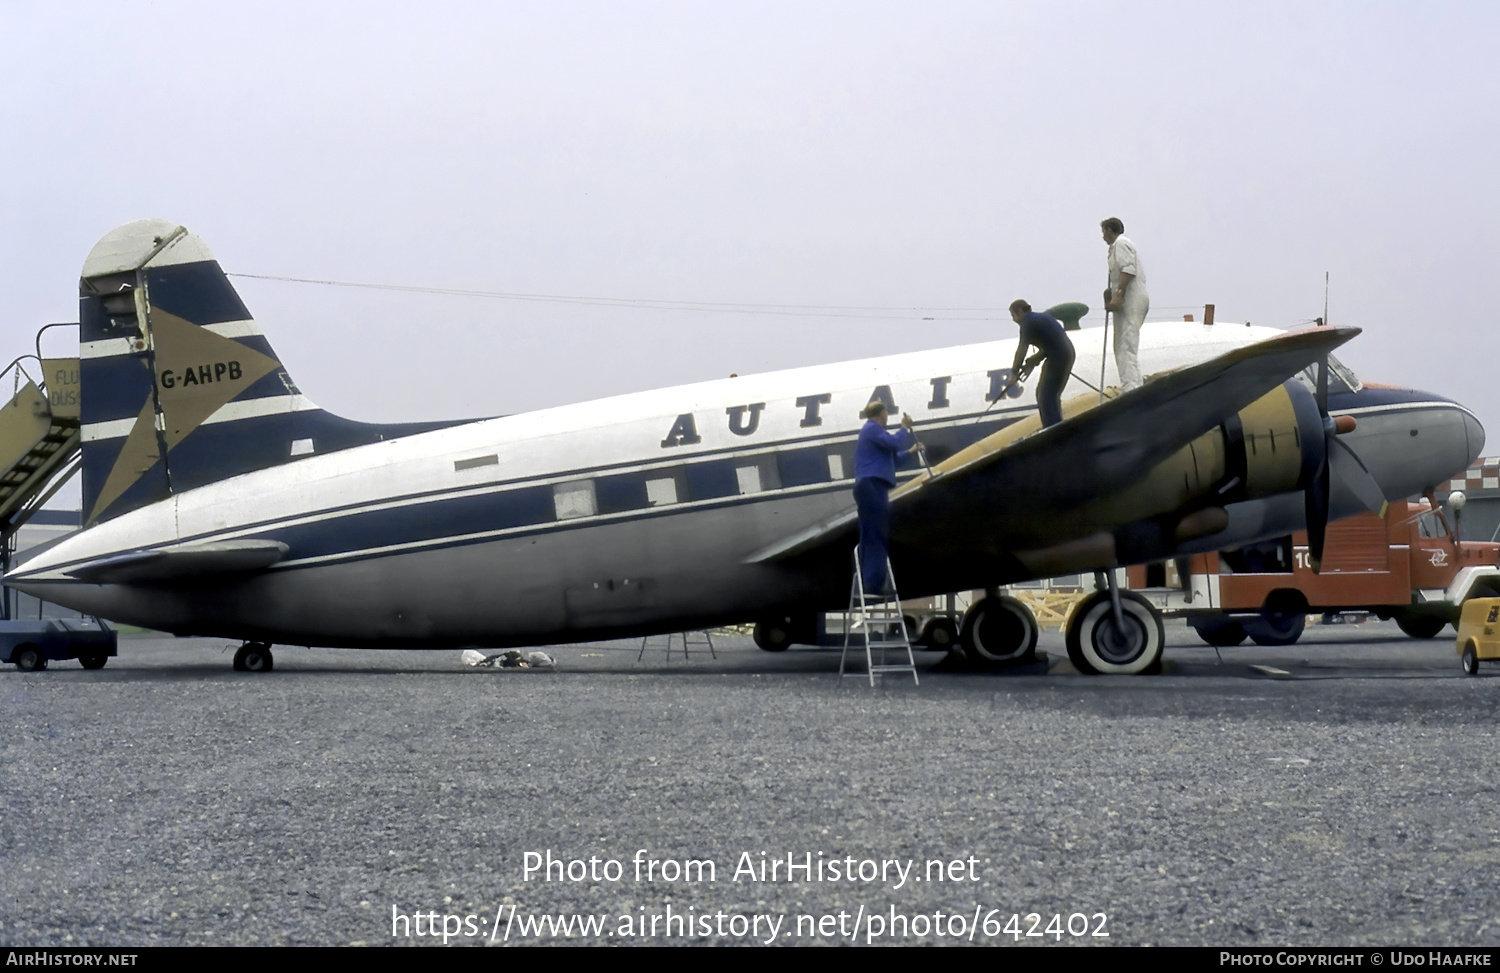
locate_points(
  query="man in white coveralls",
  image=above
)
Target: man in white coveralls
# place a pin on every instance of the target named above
(1127, 298)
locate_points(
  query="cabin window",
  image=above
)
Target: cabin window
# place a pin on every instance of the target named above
(616, 494)
(574, 499)
(835, 466)
(661, 491)
(710, 479)
(749, 479)
(801, 467)
(302, 447)
(1340, 377)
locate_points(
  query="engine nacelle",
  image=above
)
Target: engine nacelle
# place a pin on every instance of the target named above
(1272, 447)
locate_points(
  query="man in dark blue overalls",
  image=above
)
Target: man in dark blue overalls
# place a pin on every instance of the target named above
(874, 476)
(1047, 334)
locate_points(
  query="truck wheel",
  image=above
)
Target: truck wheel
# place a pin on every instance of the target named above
(940, 634)
(1470, 660)
(28, 658)
(254, 657)
(1276, 627)
(93, 660)
(1420, 626)
(1221, 633)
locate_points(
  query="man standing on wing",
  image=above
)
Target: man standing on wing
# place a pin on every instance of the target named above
(1054, 353)
(1127, 298)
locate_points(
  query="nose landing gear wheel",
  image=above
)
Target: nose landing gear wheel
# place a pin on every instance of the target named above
(253, 657)
(1097, 645)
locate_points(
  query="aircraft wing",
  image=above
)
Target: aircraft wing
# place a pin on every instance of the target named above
(1003, 482)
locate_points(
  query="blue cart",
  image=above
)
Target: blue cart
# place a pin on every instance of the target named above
(30, 645)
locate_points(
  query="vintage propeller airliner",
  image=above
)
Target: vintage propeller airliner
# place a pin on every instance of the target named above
(220, 501)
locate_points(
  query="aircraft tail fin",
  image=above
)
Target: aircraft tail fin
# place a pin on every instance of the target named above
(179, 387)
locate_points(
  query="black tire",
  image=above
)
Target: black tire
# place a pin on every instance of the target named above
(940, 634)
(1470, 660)
(254, 657)
(1420, 626)
(29, 658)
(93, 660)
(1096, 647)
(772, 636)
(999, 631)
(1276, 627)
(1221, 632)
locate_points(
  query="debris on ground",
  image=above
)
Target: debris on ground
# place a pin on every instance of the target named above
(509, 659)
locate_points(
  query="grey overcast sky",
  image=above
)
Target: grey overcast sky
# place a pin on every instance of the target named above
(910, 156)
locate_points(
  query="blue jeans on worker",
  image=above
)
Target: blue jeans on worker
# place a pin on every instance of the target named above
(872, 499)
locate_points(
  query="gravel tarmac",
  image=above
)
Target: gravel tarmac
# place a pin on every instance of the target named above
(362, 797)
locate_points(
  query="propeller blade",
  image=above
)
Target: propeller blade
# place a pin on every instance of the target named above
(1353, 479)
(1316, 498)
(1356, 489)
(1317, 494)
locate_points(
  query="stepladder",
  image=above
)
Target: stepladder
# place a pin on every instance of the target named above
(700, 638)
(877, 620)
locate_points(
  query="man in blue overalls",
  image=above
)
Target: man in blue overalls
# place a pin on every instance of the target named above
(1054, 349)
(874, 477)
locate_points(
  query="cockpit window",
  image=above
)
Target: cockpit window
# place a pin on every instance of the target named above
(1340, 378)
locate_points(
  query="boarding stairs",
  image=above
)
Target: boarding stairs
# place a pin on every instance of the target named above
(40, 443)
(35, 443)
(883, 625)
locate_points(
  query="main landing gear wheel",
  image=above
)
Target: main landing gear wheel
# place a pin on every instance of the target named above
(1097, 645)
(1420, 626)
(773, 636)
(254, 657)
(998, 631)
(1470, 660)
(28, 658)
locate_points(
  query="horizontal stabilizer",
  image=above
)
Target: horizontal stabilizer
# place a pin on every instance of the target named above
(181, 562)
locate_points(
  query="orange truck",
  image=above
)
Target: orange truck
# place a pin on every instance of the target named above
(1405, 566)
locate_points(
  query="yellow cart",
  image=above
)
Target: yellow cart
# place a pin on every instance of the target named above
(1478, 633)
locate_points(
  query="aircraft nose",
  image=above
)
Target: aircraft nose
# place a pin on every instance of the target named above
(1475, 433)
(1412, 441)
